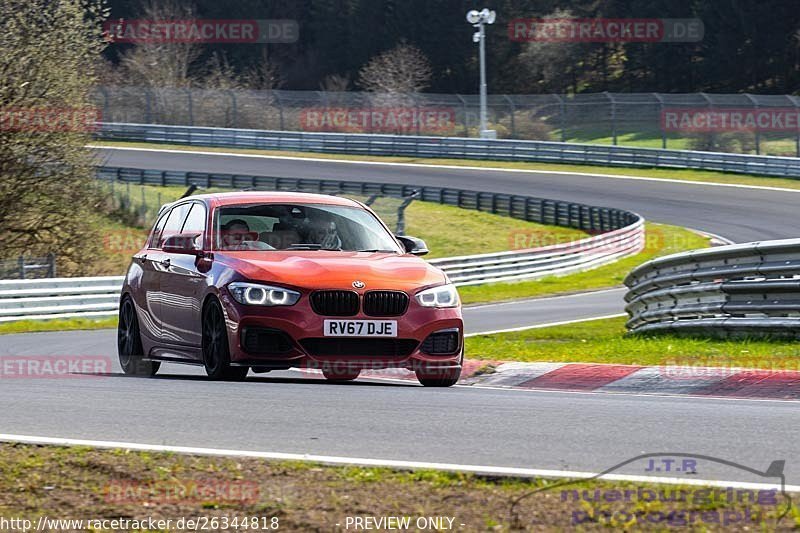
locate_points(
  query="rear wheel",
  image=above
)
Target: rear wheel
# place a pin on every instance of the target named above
(129, 343)
(216, 352)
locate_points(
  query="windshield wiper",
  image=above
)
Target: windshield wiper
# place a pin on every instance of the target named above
(311, 246)
(377, 250)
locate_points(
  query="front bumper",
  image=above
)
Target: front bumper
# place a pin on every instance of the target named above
(297, 332)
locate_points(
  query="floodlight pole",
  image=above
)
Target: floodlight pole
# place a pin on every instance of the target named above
(479, 19)
(482, 47)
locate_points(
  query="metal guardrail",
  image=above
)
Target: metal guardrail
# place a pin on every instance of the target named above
(623, 235)
(452, 147)
(740, 290)
(59, 298)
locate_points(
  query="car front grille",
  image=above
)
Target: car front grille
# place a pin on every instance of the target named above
(335, 303)
(385, 303)
(359, 347)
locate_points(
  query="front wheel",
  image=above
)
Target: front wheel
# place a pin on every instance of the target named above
(216, 352)
(340, 375)
(439, 378)
(129, 343)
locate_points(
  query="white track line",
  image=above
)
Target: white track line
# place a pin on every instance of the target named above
(450, 167)
(549, 324)
(387, 463)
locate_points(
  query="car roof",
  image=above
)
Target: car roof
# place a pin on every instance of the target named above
(249, 197)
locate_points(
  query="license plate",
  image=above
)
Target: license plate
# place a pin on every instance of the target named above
(360, 328)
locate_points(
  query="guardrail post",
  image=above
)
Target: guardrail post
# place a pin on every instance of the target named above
(613, 118)
(21, 264)
(189, 106)
(660, 118)
(757, 132)
(796, 101)
(51, 265)
(464, 107)
(562, 117)
(279, 100)
(512, 109)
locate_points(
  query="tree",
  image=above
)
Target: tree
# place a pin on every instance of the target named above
(404, 69)
(155, 63)
(48, 193)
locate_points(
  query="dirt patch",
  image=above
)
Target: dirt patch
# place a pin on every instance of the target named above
(88, 484)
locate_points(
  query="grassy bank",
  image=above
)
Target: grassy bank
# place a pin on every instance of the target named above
(81, 483)
(605, 341)
(661, 240)
(65, 324)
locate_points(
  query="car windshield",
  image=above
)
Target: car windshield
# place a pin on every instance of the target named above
(300, 227)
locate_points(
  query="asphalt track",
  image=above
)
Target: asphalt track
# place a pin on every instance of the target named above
(296, 413)
(740, 214)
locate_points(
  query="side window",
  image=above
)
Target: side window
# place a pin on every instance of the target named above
(196, 220)
(174, 222)
(157, 229)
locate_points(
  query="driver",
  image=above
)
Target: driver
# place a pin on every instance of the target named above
(236, 235)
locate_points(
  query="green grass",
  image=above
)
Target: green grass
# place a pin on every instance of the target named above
(85, 483)
(661, 239)
(660, 173)
(780, 145)
(605, 341)
(65, 324)
(451, 231)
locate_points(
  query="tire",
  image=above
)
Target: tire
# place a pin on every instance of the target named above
(216, 352)
(442, 378)
(340, 375)
(129, 343)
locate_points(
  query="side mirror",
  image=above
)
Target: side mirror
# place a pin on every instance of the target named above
(182, 244)
(413, 245)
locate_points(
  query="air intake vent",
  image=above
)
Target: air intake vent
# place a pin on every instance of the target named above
(441, 343)
(265, 341)
(385, 303)
(359, 347)
(335, 303)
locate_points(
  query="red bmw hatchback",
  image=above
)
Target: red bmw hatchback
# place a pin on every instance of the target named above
(268, 280)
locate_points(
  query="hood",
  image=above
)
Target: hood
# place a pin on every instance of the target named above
(335, 270)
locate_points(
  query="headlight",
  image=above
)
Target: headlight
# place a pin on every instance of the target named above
(255, 294)
(441, 296)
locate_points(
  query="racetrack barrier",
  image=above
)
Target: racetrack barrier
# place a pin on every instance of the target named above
(740, 290)
(453, 148)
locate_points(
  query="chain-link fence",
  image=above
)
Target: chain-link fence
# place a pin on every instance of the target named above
(737, 123)
(25, 267)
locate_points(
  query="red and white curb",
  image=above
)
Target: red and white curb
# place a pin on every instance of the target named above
(634, 379)
(629, 379)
